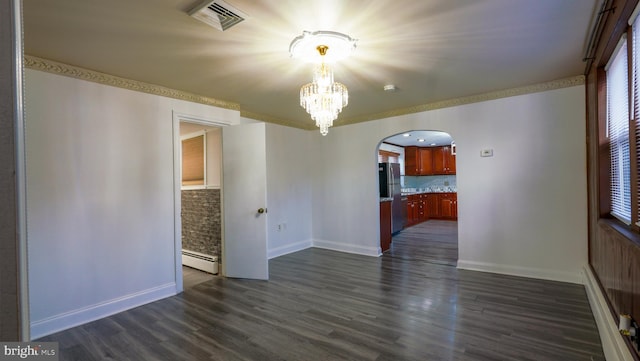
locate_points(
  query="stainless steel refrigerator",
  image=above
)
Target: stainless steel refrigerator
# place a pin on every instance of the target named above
(389, 179)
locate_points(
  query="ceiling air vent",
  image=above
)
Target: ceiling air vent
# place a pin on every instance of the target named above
(218, 14)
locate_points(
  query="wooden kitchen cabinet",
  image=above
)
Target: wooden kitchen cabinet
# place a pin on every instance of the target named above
(450, 160)
(433, 205)
(410, 213)
(411, 159)
(425, 157)
(420, 204)
(417, 209)
(422, 207)
(385, 225)
(414, 202)
(424, 204)
(429, 161)
(448, 205)
(444, 161)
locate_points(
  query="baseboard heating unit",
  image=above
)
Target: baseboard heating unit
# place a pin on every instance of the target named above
(201, 261)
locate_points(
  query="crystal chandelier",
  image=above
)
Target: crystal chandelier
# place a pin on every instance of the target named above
(323, 98)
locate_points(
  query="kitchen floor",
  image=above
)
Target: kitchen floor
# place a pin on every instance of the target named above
(434, 241)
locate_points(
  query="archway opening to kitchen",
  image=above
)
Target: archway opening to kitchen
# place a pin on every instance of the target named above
(418, 196)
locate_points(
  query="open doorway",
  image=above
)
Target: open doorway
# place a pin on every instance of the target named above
(423, 216)
(242, 186)
(201, 209)
(198, 199)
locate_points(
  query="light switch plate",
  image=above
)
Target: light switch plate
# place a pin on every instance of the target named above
(486, 153)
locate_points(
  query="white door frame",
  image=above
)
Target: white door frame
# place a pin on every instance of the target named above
(177, 185)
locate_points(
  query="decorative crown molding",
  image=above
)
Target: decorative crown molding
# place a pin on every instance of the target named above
(286, 122)
(54, 67)
(528, 89)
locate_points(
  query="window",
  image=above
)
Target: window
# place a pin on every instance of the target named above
(618, 133)
(620, 129)
(193, 160)
(635, 65)
(385, 156)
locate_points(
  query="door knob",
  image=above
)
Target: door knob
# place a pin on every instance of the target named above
(262, 210)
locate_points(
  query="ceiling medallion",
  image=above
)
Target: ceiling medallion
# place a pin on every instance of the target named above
(323, 98)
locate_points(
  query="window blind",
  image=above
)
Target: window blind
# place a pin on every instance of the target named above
(618, 133)
(635, 89)
(193, 161)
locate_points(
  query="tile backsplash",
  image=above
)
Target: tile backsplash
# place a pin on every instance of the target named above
(432, 182)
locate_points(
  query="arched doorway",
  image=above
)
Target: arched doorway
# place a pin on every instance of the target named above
(424, 213)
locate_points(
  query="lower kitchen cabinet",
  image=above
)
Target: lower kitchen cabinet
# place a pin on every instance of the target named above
(433, 201)
(448, 205)
(421, 207)
(412, 211)
(385, 225)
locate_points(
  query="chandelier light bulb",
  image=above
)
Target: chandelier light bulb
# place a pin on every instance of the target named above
(323, 98)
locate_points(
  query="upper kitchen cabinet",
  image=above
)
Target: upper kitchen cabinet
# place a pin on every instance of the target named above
(418, 161)
(429, 161)
(411, 160)
(425, 155)
(444, 161)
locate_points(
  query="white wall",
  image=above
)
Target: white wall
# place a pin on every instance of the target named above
(100, 198)
(214, 158)
(100, 190)
(289, 185)
(522, 211)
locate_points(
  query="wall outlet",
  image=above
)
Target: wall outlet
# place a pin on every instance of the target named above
(486, 153)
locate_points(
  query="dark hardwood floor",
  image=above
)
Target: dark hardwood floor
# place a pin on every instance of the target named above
(326, 305)
(191, 277)
(433, 241)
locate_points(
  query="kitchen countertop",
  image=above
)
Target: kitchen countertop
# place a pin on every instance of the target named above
(429, 191)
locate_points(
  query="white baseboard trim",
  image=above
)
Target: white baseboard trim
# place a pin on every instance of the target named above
(97, 311)
(613, 344)
(348, 248)
(545, 274)
(290, 248)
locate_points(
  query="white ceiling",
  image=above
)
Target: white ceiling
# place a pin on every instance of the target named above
(420, 138)
(432, 50)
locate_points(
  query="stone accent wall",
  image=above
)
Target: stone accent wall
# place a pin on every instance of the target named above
(201, 221)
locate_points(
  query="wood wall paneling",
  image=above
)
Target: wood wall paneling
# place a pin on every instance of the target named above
(614, 249)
